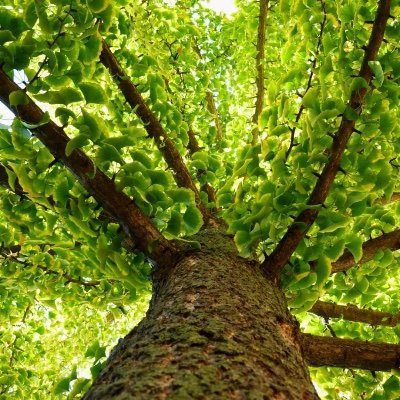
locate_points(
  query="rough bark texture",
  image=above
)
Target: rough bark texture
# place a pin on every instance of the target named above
(216, 329)
(350, 353)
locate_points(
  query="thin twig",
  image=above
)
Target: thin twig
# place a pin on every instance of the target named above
(211, 107)
(262, 23)
(309, 82)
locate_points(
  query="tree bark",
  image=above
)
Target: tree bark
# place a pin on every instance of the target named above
(216, 329)
(350, 353)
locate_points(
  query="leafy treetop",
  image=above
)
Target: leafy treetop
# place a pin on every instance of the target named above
(137, 123)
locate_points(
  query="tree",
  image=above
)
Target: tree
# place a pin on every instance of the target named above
(247, 167)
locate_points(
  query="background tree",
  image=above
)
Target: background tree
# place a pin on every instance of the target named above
(231, 162)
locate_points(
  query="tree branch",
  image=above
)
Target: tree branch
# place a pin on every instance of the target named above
(13, 345)
(13, 253)
(136, 225)
(309, 82)
(345, 353)
(211, 107)
(262, 23)
(296, 232)
(193, 144)
(387, 241)
(395, 197)
(153, 127)
(353, 313)
(193, 147)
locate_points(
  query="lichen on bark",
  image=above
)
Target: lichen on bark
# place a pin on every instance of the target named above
(216, 329)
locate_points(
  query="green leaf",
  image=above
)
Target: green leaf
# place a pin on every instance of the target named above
(175, 224)
(97, 6)
(18, 98)
(90, 122)
(62, 386)
(181, 195)
(192, 220)
(351, 114)
(376, 68)
(263, 120)
(64, 96)
(355, 247)
(323, 270)
(120, 141)
(6, 36)
(76, 143)
(93, 93)
(142, 157)
(108, 152)
(311, 99)
(336, 250)
(45, 119)
(358, 83)
(64, 114)
(243, 242)
(90, 52)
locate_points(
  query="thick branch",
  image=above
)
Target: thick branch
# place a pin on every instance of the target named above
(153, 127)
(135, 224)
(353, 313)
(345, 353)
(211, 107)
(193, 144)
(262, 23)
(387, 241)
(296, 232)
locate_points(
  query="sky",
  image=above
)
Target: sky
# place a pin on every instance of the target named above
(225, 6)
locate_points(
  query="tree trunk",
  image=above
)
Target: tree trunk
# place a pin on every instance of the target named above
(216, 329)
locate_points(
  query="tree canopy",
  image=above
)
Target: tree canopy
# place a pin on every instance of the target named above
(137, 123)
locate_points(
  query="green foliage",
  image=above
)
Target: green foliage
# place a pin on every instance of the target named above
(66, 276)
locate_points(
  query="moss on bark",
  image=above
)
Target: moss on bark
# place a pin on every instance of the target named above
(216, 329)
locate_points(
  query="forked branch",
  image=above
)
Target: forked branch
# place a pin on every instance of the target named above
(153, 127)
(262, 23)
(136, 225)
(296, 232)
(355, 314)
(345, 353)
